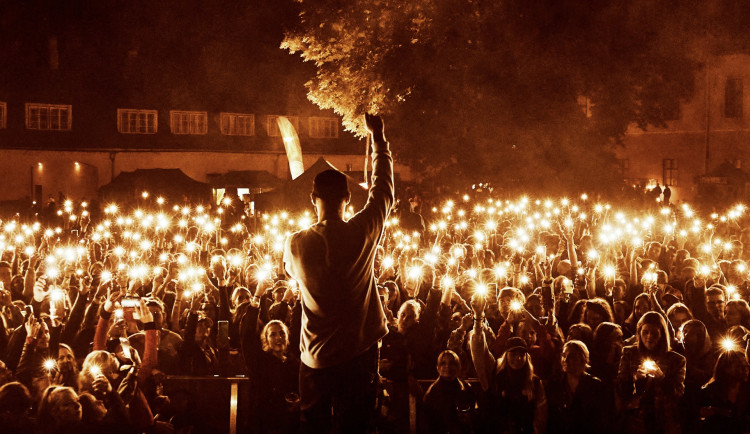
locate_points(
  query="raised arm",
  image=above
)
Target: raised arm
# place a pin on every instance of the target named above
(484, 362)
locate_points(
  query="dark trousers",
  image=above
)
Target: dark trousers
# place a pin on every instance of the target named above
(340, 398)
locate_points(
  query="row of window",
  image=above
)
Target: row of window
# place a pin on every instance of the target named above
(59, 117)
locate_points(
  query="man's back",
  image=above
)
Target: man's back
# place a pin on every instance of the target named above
(333, 261)
(340, 302)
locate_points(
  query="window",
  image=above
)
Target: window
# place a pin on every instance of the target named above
(324, 128)
(3, 115)
(53, 117)
(733, 98)
(623, 167)
(669, 172)
(184, 122)
(136, 121)
(237, 124)
(272, 125)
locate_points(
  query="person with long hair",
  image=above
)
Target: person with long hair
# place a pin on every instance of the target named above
(575, 396)
(595, 312)
(651, 379)
(59, 411)
(449, 400)
(515, 396)
(641, 305)
(725, 399)
(274, 370)
(737, 312)
(701, 358)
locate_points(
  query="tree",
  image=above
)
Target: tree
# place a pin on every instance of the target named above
(531, 93)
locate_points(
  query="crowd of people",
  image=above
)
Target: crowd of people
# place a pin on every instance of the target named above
(513, 316)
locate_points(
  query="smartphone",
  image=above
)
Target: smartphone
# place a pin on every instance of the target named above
(28, 310)
(130, 301)
(128, 304)
(222, 337)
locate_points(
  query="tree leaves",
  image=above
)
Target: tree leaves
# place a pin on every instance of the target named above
(486, 90)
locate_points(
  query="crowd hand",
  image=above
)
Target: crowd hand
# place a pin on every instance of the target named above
(220, 271)
(655, 373)
(289, 296)
(134, 285)
(263, 286)
(40, 289)
(144, 312)
(114, 297)
(467, 321)
(478, 304)
(84, 287)
(101, 386)
(567, 233)
(159, 280)
(102, 289)
(58, 379)
(195, 304)
(33, 326)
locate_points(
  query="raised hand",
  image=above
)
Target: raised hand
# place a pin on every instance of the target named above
(374, 125)
(40, 289)
(144, 312)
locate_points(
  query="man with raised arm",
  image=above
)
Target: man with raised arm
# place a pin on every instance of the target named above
(342, 318)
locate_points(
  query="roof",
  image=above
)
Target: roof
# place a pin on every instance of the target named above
(170, 183)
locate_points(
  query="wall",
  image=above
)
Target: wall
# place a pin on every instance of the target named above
(700, 125)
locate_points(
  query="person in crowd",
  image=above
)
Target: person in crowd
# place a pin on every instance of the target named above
(574, 397)
(274, 370)
(713, 313)
(725, 399)
(700, 359)
(737, 312)
(16, 409)
(516, 400)
(449, 401)
(59, 411)
(651, 378)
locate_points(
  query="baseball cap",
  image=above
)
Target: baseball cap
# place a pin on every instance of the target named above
(516, 343)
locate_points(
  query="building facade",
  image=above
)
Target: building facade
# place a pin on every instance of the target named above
(706, 146)
(88, 91)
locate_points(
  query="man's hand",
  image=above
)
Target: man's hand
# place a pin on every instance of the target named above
(375, 127)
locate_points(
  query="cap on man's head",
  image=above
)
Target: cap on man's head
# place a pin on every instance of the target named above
(516, 344)
(330, 185)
